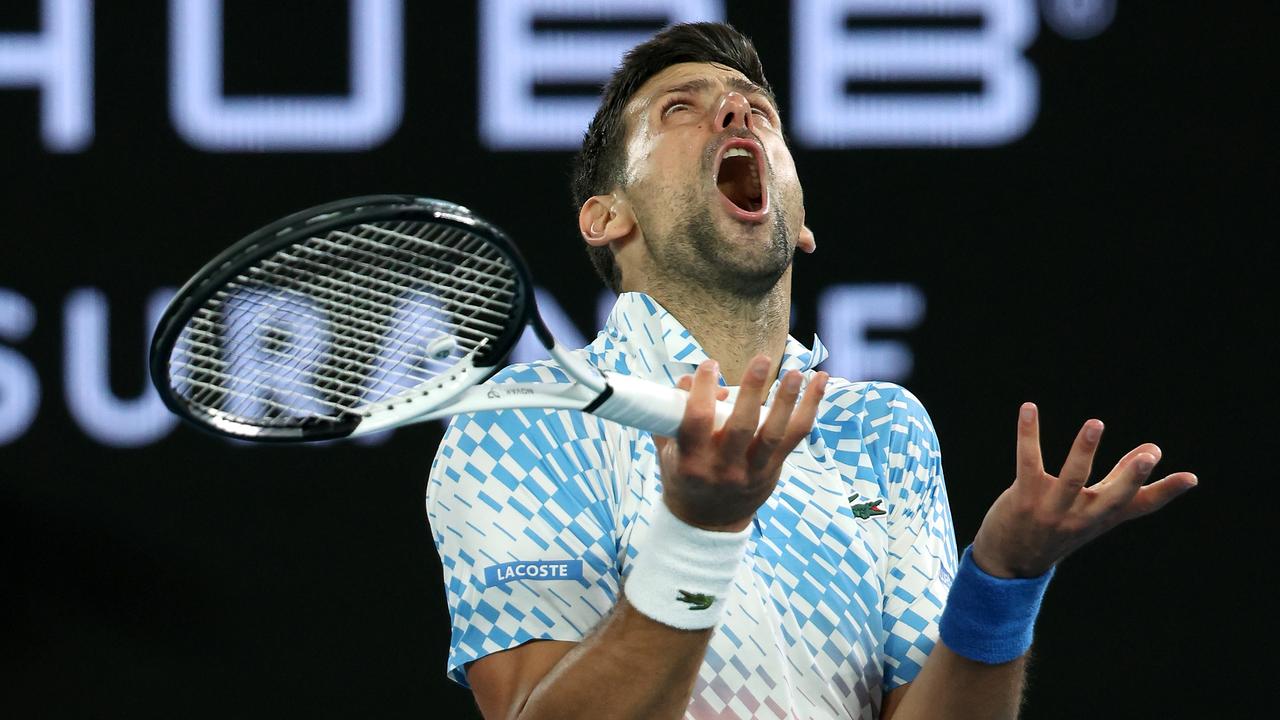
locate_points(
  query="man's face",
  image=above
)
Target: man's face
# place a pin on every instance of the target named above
(711, 180)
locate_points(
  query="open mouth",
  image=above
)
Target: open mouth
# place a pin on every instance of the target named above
(738, 178)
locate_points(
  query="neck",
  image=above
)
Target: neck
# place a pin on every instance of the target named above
(731, 329)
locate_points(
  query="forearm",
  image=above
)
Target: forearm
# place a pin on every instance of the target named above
(631, 666)
(951, 687)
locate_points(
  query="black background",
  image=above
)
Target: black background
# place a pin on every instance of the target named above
(1113, 263)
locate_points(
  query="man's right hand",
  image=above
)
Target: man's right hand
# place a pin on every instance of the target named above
(716, 479)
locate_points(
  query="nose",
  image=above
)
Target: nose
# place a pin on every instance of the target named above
(734, 112)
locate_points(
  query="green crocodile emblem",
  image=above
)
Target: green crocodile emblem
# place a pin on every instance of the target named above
(866, 510)
(697, 601)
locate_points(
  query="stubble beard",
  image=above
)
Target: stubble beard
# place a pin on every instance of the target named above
(695, 253)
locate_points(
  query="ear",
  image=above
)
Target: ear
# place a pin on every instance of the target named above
(605, 218)
(806, 242)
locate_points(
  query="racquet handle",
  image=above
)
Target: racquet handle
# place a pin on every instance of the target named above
(649, 406)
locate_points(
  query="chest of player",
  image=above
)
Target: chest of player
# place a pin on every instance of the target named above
(821, 536)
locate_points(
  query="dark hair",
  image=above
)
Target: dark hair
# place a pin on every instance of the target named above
(598, 167)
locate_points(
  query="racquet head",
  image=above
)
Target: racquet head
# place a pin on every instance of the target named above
(347, 311)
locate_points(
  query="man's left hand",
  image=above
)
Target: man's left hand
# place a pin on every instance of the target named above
(1041, 518)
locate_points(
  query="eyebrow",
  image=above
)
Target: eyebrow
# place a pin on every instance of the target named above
(742, 85)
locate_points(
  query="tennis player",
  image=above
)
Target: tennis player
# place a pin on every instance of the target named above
(786, 570)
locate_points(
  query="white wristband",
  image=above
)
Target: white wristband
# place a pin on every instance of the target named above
(683, 574)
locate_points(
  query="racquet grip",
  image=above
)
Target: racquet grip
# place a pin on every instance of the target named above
(649, 406)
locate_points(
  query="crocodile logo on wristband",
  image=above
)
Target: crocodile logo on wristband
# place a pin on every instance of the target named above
(697, 601)
(866, 510)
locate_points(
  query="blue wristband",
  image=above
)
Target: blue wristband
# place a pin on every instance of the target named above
(990, 619)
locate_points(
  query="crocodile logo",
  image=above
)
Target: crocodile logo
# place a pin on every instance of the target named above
(866, 510)
(697, 601)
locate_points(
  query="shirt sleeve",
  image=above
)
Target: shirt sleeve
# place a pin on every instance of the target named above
(922, 544)
(522, 506)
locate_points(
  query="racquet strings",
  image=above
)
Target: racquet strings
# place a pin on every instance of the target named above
(337, 323)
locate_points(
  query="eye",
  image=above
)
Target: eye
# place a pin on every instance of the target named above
(675, 105)
(761, 112)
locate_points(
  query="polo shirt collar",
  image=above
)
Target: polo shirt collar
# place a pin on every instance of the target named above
(664, 346)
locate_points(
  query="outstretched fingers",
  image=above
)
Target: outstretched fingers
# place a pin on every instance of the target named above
(743, 423)
(1042, 518)
(1030, 461)
(685, 382)
(1123, 494)
(763, 444)
(1078, 466)
(1129, 473)
(700, 409)
(715, 479)
(760, 454)
(1151, 498)
(1119, 489)
(802, 419)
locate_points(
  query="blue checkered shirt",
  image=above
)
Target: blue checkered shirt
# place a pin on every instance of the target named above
(837, 600)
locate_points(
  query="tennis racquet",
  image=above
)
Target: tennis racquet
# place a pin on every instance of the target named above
(366, 314)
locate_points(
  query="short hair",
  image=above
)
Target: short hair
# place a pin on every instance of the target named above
(599, 165)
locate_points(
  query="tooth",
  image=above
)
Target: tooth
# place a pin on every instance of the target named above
(736, 152)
